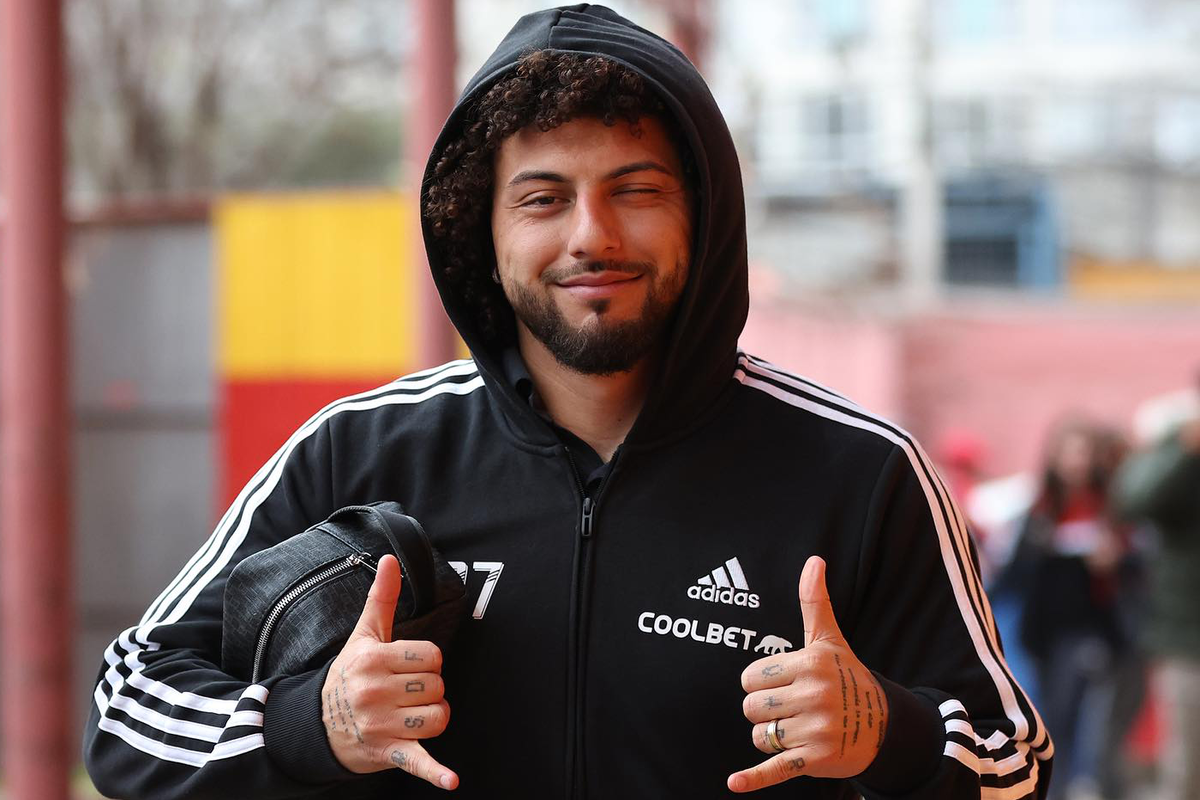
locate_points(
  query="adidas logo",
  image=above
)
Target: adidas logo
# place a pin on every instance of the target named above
(725, 584)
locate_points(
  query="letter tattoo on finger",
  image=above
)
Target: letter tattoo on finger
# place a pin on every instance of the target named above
(414, 722)
(400, 759)
(771, 702)
(795, 764)
(414, 686)
(409, 655)
(772, 670)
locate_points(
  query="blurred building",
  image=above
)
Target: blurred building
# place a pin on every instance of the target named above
(1064, 134)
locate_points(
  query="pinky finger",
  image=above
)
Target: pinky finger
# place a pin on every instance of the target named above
(776, 769)
(414, 759)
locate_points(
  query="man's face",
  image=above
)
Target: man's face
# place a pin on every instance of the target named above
(592, 232)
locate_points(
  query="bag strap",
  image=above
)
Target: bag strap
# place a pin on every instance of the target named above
(405, 537)
(412, 547)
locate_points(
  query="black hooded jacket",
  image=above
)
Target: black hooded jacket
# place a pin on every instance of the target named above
(609, 634)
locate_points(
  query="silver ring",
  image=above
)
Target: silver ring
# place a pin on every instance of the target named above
(773, 736)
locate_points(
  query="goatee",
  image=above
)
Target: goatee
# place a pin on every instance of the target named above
(599, 347)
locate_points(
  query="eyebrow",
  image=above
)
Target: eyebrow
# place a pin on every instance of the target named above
(554, 177)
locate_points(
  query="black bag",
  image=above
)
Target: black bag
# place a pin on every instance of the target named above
(290, 608)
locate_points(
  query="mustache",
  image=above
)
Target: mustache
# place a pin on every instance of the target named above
(559, 274)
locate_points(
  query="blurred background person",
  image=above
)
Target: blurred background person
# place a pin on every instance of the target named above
(1161, 485)
(1069, 575)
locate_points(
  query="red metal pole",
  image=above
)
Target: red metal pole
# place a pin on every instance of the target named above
(432, 71)
(39, 744)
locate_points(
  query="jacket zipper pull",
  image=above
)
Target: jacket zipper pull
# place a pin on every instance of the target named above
(589, 510)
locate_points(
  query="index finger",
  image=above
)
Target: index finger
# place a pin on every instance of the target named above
(414, 759)
(410, 655)
(774, 671)
(776, 769)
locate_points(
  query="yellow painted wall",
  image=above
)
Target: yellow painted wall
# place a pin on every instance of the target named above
(315, 285)
(1134, 281)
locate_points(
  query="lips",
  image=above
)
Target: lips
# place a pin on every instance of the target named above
(595, 286)
(599, 278)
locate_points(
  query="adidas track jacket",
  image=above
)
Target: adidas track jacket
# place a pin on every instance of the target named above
(607, 639)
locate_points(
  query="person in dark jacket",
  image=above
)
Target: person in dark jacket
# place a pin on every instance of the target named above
(693, 572)
(1071, 568)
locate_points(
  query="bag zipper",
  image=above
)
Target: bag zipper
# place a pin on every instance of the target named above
(352, 561)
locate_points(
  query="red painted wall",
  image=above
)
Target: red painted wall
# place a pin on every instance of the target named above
(1004, 371)
(257, 417)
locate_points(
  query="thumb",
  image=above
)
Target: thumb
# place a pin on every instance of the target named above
(375, 622)
(819, 622)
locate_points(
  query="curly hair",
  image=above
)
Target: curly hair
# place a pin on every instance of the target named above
(546, 89)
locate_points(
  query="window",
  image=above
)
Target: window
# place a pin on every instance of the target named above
(1099, 20)
(836, 22)
(834, 132)
(979, 132)
(1177, 131)
(971, 22)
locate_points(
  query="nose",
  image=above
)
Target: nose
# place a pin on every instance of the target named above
(594, 230)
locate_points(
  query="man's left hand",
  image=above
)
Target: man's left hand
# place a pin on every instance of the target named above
(829, 709)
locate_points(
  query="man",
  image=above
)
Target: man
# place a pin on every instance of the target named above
(635, 500)
(1161, 485)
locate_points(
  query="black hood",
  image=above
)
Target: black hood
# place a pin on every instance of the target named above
(701, 352)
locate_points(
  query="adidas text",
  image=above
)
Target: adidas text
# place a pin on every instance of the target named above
(725, 584)
(732, 597)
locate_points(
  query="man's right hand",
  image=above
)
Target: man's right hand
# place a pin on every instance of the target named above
(381, 696)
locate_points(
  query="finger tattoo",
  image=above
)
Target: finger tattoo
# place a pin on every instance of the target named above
(400, 759)
(772, 702)
(772, 670)
(409, 655)
(414, 686)
(796, 764)
(414, 722)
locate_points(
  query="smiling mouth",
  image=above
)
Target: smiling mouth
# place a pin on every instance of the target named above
(594, 287)
(605, 278)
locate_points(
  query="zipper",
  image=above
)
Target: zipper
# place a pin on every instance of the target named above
(577, 768)
(588, 515)
(350, 562)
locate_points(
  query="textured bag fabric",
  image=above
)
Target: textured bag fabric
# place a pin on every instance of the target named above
(290, 608)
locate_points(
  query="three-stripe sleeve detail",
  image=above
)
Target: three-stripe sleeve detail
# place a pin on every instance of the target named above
(1013, 759)
(187, 727)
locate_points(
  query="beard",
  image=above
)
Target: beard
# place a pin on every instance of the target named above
(599, 346)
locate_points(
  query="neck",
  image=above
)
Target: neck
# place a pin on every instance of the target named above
(599, 409)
